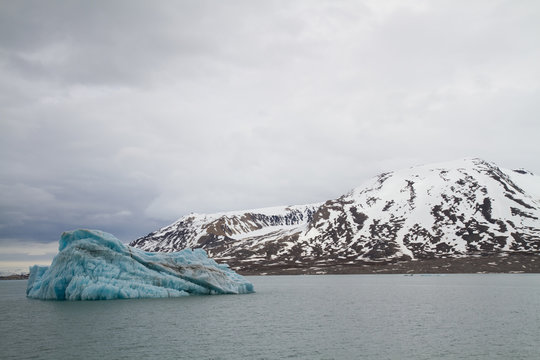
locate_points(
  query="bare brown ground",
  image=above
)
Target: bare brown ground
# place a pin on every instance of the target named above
(507, 263)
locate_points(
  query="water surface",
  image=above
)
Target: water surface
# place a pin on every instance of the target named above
(492, 316)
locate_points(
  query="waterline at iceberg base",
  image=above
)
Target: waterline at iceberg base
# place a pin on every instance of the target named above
(94, 265)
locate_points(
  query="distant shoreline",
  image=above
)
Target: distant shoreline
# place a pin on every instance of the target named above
(14, 277)
(492, 263)
(528, 263)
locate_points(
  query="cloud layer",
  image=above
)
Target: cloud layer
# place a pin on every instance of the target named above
(125, 115)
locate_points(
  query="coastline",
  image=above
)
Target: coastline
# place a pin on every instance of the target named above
(509, 263)
(14, 277)
(492, 263)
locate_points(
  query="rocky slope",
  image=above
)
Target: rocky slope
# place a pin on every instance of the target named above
(459, 209)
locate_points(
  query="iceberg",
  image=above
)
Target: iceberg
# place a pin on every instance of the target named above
(94, 265)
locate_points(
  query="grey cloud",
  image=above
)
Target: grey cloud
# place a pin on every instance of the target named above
(118, 42)
(130, 42)
(125, 115)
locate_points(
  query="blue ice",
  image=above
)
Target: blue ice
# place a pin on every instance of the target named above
(94, 265)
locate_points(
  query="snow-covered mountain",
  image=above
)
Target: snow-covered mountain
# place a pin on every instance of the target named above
(455, 209)
(230, 233)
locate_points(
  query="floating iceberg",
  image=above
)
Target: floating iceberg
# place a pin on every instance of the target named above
(94, 265)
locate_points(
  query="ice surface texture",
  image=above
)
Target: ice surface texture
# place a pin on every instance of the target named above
(94, 265)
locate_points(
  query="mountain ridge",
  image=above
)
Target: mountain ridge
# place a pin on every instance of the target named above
(445, 210)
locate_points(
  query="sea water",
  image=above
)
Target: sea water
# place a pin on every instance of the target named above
(483, 316)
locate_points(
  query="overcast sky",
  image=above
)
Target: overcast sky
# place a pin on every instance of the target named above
(126, 115)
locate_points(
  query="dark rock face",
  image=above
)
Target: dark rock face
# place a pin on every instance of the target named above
(450, 210)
